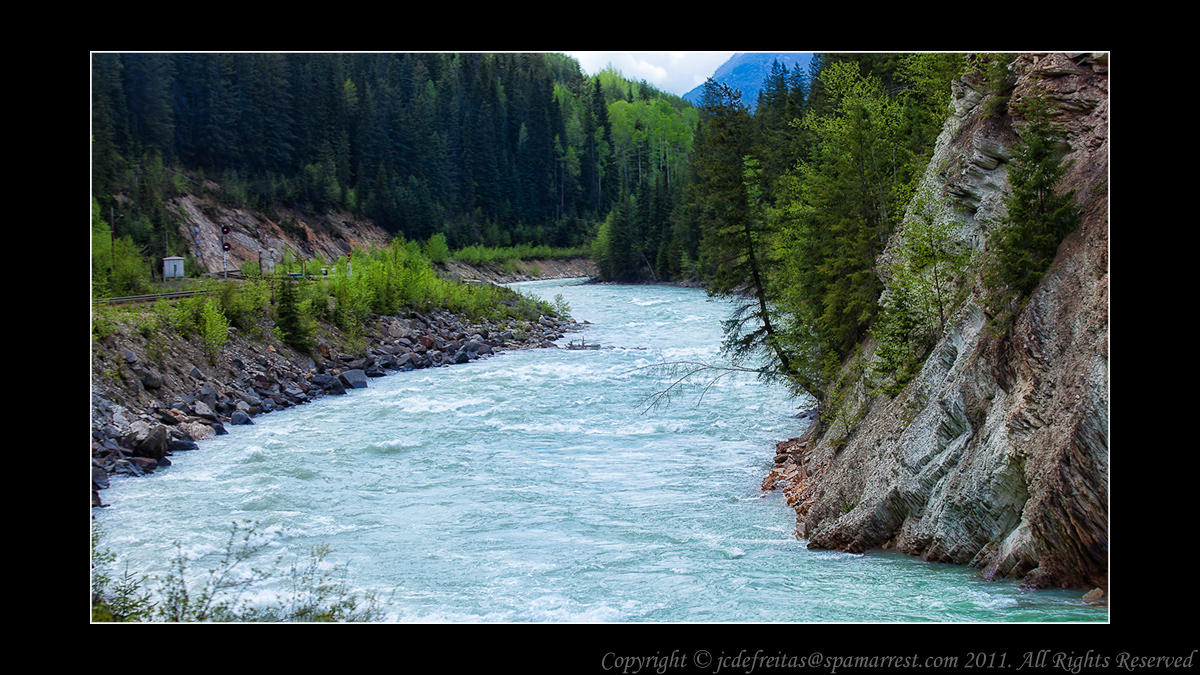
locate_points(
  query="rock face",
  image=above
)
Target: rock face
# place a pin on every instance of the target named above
(996, 455)
(253, 235)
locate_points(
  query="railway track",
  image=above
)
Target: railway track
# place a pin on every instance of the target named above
(146, 298)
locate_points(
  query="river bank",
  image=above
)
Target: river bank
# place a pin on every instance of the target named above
(528, 488)
(519, 270)
(157, 393)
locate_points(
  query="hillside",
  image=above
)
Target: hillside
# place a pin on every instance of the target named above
(996, 454)
(254, 236)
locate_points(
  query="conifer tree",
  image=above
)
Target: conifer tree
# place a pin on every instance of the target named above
(1038, 216)
(290, 321)
(734, 231)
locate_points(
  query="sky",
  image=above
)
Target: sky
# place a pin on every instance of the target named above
(673, 72)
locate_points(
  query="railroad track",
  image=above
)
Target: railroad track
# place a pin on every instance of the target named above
(176, 295)
(147, 298)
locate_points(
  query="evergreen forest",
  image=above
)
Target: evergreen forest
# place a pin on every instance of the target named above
(786, 208)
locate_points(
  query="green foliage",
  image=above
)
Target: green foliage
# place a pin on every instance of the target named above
(295, 329)
(836, 211)
(243, 303)
(308, 591)
(924, 278)
(1038, 217)
(118, 267)
(213, 327)
(480, 255)
(993, 79)
(436, 249)
(562, 308)
(490, 149)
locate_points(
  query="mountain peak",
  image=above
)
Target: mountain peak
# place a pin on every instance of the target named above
(745, 71)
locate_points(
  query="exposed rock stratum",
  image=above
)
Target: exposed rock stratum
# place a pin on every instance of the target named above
(996, 454)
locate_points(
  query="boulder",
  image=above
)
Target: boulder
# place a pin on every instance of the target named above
(146, 441)
(99, 478)
(151, 379)
(201, 409)
(125, 466)
(197, 431)
(354, 378)
(329, 384)
(239, 418)
(181, 445)
(144, 464)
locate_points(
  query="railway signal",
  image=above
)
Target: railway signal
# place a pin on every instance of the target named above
(224, 247)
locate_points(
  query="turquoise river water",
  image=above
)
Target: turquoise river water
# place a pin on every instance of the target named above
(536, 486)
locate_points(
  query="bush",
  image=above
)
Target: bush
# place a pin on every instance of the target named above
(310, 591)
(436, 249)
(213, 328)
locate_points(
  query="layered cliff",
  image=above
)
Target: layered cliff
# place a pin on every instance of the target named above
(996, 454)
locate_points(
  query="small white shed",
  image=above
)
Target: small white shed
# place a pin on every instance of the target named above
(173, 268)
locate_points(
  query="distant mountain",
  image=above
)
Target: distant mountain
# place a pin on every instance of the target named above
(745, 72)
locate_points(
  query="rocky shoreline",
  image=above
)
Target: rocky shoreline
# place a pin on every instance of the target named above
(157, 395)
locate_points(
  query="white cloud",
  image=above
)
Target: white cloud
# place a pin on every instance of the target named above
(674, 72)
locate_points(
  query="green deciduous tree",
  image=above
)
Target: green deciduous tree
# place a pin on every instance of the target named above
(929, 265)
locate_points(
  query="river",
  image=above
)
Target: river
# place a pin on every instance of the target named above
(538, 486)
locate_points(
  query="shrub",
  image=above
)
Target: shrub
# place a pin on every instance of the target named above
(213, 327)
(309, 590)
(436, 249)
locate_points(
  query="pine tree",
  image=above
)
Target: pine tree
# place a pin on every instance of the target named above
(1038, 216)
(292, 325)
(734, 231)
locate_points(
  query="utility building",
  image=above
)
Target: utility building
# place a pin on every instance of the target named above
(173, 268)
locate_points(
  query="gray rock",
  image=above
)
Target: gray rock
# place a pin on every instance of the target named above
(151, 379)
(201, 409)
(181, 445)
(329, 384)
(239, 418)
(154, 445)
(354, 378)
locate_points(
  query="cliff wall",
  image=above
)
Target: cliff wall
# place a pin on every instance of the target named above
(996, 454)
